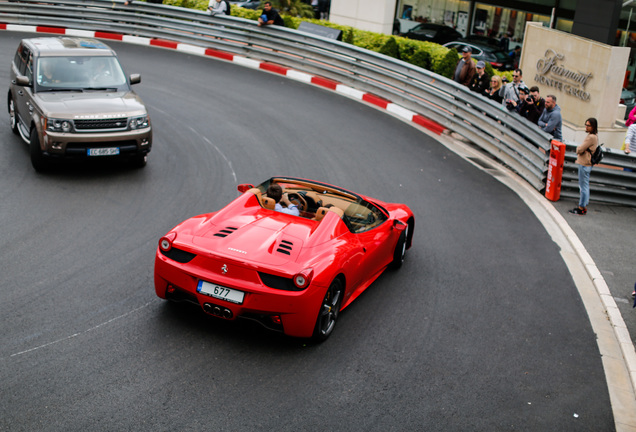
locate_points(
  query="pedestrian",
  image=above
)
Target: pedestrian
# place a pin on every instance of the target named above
(494, 92)
(217, 7)
(504, 42)
(520, 105)
(584, 159)
(270, 16)
(323, 8)
(515, 55)
(550, 120)
(630, 139)
(535, 106)
(510, 93)
(481, 80)
(631, 118)
(465, 68)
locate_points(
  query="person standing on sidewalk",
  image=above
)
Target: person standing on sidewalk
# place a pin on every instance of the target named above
(584, 159)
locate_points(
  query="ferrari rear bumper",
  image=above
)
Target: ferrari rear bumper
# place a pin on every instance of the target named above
(292, 312)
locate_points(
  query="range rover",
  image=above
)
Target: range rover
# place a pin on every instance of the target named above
(69, 97)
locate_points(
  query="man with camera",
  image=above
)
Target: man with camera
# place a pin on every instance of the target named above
(511, 90)
(534, 106)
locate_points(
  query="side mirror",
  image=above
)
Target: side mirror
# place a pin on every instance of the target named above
(22, 80)
(244, 187)
(135, 79)
(399, 225)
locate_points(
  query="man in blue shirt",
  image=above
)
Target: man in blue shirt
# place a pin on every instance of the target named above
(275, 192)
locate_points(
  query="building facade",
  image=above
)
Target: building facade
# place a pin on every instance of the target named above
(612, 22)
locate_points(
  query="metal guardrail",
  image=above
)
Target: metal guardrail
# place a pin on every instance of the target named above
(510, 139)
(613, 181)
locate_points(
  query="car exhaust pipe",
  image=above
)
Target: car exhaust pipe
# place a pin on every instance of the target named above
(218, 311)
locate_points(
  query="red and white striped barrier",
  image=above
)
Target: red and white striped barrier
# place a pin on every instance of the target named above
(243, 61)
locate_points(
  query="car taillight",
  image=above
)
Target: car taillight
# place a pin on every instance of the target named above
(303, 279)
(622, 101)
(165, 243)
(496, 64)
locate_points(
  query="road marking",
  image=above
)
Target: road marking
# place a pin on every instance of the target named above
(80, 333)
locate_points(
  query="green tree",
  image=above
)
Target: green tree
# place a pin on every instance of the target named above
(447, 66)
(421, 58)
(294, 8)
(390, 48)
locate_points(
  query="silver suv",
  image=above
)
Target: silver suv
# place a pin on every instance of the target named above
(69, 97)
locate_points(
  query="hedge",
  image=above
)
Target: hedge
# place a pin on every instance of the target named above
(427, 55)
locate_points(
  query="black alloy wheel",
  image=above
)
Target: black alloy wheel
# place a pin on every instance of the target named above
(329, 310)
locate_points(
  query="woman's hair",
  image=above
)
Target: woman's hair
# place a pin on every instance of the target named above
(594, 125)
(497, 78)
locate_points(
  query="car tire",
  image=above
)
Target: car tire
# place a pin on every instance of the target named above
(37, 158)
(13, 116)
(329, 311)
(140, 161)
(400, 249)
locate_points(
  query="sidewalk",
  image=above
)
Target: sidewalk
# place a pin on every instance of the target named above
(598, 250)
(608, 233)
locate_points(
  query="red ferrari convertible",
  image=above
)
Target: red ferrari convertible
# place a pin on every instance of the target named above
(291, 272)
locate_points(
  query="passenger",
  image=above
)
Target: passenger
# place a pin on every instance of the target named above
(276, 192)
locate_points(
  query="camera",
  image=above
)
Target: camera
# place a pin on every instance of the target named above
(530, 99)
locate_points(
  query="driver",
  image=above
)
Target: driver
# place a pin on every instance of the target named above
(275, 192)
(46, 68)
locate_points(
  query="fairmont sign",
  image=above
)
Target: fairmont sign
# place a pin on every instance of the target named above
(551, 73)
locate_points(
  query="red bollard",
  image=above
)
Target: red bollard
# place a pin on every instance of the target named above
(555, 171)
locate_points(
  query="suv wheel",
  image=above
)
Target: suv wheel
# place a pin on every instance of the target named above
(13, 116)
(37, 158)
(139, 161)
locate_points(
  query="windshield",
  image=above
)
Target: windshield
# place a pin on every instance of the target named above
(79, 73)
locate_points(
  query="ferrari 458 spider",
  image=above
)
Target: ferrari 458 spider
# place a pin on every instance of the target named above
(290, 273)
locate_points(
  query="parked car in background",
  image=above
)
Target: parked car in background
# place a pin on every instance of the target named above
(628, 98)
(497, 58)
(436, 33)
(483, 40)
(247, 4)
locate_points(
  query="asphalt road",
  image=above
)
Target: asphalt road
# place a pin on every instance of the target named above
(482, 329)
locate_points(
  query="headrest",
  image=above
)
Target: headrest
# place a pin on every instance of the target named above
(320, 213)
(268, 203)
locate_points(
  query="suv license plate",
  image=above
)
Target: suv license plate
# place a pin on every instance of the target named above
(109, 151)
(220, 292)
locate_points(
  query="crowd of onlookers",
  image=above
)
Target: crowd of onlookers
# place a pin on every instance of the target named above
(514, 96)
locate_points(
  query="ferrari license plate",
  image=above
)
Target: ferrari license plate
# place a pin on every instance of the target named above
(108, 151)
(220, 292)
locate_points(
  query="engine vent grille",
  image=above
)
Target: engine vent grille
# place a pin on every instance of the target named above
(225, 232)
(285, 247)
